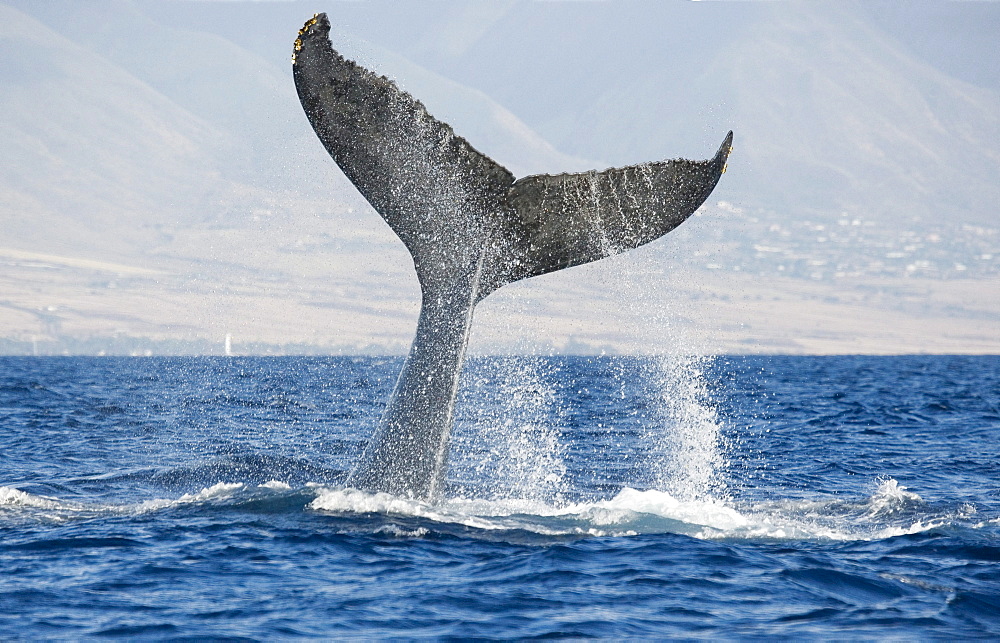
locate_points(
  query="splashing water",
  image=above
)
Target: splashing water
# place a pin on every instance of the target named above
(891, 498)
(890, 511)
(682, 435)
(688, 436)
(510, 445)
(511, 438)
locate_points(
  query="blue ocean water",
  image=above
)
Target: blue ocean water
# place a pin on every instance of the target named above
(608, 497)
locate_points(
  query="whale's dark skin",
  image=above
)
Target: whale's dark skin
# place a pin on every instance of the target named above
(471, 228)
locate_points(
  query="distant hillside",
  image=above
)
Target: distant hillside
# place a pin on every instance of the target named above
(88, 147)
(832, 112)
(843, 111)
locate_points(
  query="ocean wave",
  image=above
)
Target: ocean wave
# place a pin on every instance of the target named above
(14, 501)
(11, 497)
(633, 512)
(891, 510)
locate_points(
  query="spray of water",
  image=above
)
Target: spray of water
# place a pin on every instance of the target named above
(508, 441)
(518, 444)
(687, 437)
(682, 439)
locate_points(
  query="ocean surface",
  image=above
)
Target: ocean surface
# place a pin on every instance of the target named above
(730, 497)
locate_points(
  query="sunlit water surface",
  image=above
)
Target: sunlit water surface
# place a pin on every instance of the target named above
(831, 496)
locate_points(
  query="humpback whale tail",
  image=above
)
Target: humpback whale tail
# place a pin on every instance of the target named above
(470, 228)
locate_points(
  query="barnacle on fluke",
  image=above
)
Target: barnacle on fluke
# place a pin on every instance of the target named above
(302, 31)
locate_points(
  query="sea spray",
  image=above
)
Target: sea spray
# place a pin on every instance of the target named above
(521, 419)
(507, 441)
(688, 436)
(682, 433)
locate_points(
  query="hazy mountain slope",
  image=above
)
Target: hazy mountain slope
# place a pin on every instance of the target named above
(844, 120)
(251, 98)
(831, 112)
(132, 123)
(90, 150)
(244, 98)
(956, 38)
(163, 182)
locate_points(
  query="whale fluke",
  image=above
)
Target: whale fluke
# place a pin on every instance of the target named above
(470, 228)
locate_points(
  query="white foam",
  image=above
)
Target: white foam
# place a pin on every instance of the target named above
(9, 496)
(890, 497)
(394, 530)
(708, 513)
(622, 515)
(14, 502)
(217, 491)
(340, 500)
(56, 509)
(634, 511)
(837, 519)
(891, 511)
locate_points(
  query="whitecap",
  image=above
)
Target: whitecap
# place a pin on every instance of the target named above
(9, 496)
(346, 500)
(630, 512)
(891, 497)
(399, 532)
(217, 491)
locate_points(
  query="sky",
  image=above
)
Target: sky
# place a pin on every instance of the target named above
(162, 188)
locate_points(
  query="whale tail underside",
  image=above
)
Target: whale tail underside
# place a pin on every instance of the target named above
(470, 228)
(451, 204)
